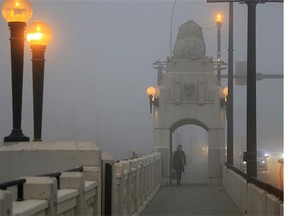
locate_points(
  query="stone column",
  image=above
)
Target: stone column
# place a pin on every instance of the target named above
(162, 144)
(216, 154)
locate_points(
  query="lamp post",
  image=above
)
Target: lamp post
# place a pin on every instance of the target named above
(17, 13)
(153, 94)
(224, 97)
(38, 35)
(151, 91)
(219, 20)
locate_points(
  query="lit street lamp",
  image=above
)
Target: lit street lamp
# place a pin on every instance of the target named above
(38, 35)
(17, 13)
(219, 20)
(224, 97)
(153, 97)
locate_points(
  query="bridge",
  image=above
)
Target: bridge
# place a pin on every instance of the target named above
(99, 185)
(77, 178)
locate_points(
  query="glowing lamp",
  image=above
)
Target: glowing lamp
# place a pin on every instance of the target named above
(38, 33)
(225, 93)
(153, 96)
(17, 10)
(151, 91)
(219, 18)
(223, 96)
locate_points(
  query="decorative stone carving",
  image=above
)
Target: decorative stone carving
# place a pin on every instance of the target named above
(190, 42)
(189, 89)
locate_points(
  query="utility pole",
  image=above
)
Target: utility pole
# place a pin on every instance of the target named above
(229, 108)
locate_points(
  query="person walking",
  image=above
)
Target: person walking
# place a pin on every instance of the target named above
(179, 161)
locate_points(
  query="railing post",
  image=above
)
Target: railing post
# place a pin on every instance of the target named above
(140, 165)
(120, 190)
(5, 203)
(75, 180)
(137, 185)
(44, 188)
(134, 194)
(93, 173)
(127, 185)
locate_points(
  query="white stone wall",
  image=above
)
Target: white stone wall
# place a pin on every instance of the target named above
(250, 199)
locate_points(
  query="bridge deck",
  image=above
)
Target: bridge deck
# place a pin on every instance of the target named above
(193, 199)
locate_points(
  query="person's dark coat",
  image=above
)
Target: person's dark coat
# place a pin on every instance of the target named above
(179, 160)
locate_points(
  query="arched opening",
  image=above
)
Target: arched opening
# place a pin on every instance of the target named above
(193, 136)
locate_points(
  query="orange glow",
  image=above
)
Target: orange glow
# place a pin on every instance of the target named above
(38, 33)
(225, 93)
(34, 36)
(151, 91)
(219, 18)
(16, 10)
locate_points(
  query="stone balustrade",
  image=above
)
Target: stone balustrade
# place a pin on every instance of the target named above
(134, 182)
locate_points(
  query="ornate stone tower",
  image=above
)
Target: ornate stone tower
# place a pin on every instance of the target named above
(188, 95)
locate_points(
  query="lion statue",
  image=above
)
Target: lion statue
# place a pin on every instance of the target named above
(190, 42)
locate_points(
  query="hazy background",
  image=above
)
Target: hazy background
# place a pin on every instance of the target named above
(99, 65)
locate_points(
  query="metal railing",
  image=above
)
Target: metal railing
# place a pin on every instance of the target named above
(58, 174)
(268, 187)
(17, 182)
(20, 182)
(263, 185)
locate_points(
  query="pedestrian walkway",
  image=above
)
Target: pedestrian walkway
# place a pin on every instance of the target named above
(191, 199)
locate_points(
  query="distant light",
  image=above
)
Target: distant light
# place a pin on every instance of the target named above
(266, 155)
(263, 162)
(244, 162)
(219, 18)
(203, 148)
(225, 93)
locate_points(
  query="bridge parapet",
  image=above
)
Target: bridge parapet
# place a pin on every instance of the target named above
(249, 198)
(137, 181)
(83, 191)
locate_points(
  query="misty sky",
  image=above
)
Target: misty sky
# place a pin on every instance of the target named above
(99, 65)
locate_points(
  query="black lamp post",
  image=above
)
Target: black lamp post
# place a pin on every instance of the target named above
(17, 14)
(38, 35)
(153, 97)
(219, 20)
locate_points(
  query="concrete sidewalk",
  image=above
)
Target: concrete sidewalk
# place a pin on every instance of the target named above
(191, 200)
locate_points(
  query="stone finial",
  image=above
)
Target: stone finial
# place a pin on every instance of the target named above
(190, 42)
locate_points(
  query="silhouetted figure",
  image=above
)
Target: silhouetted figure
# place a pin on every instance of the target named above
(179, 161)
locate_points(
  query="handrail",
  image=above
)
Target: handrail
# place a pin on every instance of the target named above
(21, 181)
(268, 187)
(263, 185)
(58, 174)
(20, 190)
(76, 169)
(55, 175)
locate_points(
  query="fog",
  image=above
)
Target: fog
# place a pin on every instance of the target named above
(99, 65)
